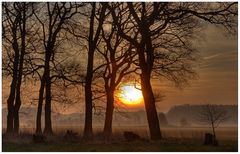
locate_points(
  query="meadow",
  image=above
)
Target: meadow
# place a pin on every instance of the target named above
(175, 139)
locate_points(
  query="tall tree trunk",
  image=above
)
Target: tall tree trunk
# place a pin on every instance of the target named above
(11, 98)
(107, 131)
(150, 107)
(48, 122)
(16, 110)
(109, 114)
(88, 85)
(39, 108)
(10, 103)
(20, 71)
(92, 42)
(146, 64)
(88, 97)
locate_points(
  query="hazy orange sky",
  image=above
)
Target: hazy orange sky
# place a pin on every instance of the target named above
(217, 70)
(218, 73)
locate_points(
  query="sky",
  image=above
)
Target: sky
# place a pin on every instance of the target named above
(216, 83)
(217, 73)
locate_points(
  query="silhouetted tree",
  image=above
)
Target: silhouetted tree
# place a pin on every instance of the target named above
(164, 32)
(17, 26)
(93, 39)
(53, 19)
(212, 115)
(118, 57)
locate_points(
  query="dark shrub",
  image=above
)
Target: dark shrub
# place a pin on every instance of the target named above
(70, 136)
(130, 136)
(39, 138)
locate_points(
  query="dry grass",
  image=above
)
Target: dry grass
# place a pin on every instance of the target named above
(148, 146)
(175, 139)
(223, 133)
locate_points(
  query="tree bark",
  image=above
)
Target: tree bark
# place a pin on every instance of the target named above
(107, 131)
(88, 97)
(146, 65)
(88, 85)
(20, 71)
(16, 110)
(10, 102)
(92, 42)
(39, 109)
(150, 107)
(11, 98)
(109, 114)
(48, 123)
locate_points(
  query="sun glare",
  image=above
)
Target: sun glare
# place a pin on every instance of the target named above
(130, 95)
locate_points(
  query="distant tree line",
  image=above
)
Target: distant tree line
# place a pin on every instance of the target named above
(148, 39)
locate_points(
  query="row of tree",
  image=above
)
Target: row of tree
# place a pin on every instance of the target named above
(49, 42)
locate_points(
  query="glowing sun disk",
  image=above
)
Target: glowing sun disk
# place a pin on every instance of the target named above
(130, 95)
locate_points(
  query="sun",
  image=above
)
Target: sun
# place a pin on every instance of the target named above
(130, 95)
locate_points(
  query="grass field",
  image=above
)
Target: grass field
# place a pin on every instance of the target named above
(175, 140)
(121, 147)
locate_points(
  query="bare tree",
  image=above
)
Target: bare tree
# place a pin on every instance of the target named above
(212, 115)
(118, 57)
(93, 39)
(14, 27)
(52, 21)
(88, 36)
(164, 32)
(65, 72)
(17, 26)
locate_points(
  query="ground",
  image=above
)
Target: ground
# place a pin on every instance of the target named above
(121, 147)
(175, 140)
